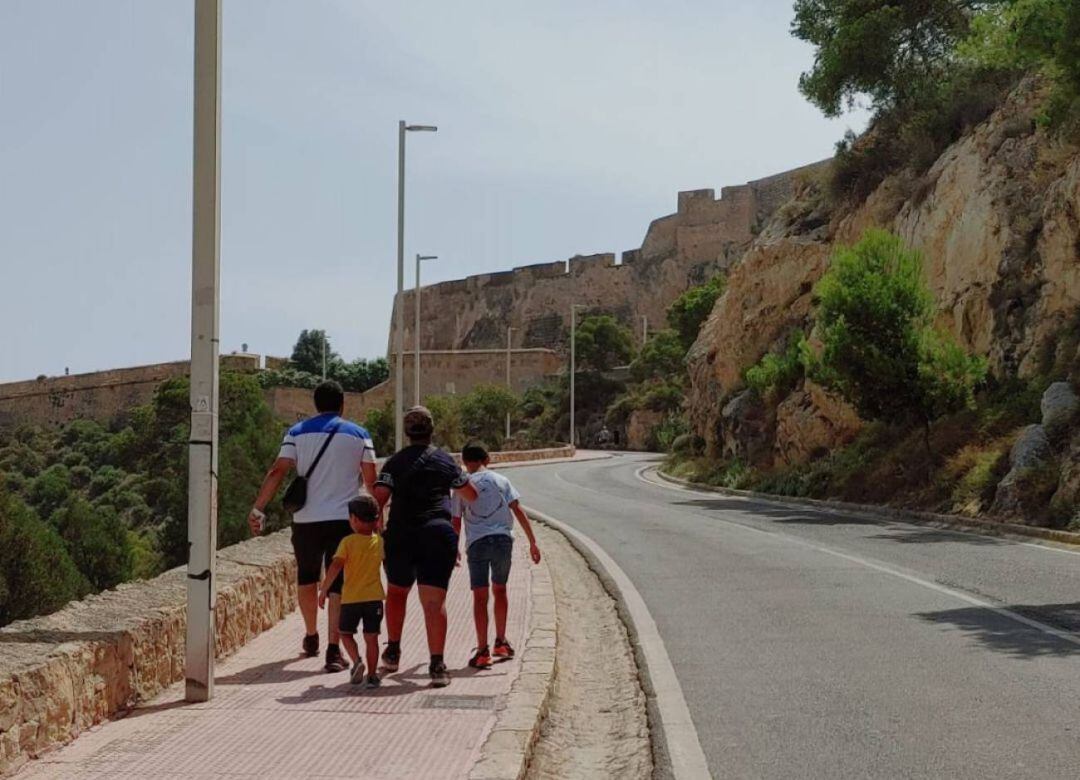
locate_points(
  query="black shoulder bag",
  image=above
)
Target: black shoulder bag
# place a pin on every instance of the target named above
(296, 494)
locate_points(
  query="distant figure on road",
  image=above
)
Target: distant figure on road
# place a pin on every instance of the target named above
(359, 560)
(489, 539)
(334, 455)
(421, 545)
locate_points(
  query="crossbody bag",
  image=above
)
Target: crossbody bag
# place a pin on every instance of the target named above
(296, 494)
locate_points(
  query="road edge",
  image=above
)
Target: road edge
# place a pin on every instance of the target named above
(676, 748)
(508, 748)
(950, 522)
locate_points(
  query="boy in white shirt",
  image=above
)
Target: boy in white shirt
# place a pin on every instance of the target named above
(489, 525)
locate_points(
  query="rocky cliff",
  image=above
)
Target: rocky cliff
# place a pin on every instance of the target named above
(997, 218)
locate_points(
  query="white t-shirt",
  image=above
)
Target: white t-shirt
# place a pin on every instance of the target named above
(336, 480)
(490, 513)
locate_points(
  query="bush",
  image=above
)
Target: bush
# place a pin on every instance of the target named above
(379, 422)
(776, 375)
(689, 311)
(601, 343)
(449, 427)
(96, 541)
(483, 413)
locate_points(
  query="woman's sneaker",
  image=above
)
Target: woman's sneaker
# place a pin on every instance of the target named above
(357, 675)
(391, 658)
(373, 681)
(482, 659)
(503, 649)
(310, 645)
(440, 677)
(335, 661)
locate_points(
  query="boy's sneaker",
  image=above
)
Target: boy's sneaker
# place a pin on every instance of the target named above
(503, 649)
(373, 681)
(440, 677)
(391, 658)
(482, 659)
(357, 675)
(335, 661)
(310, 645)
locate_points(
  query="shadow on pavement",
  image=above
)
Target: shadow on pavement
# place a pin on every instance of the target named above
(269, 673)
(780, 514)
(398, 683)
(933, 536)
(1001, 633)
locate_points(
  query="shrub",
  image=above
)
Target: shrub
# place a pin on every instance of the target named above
(379, 422)
(602, 343)
(689, 311)
(96, 541)
(775, 375)
(483, 413)
(449, 429)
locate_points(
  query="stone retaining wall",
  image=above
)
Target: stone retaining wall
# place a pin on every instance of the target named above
(64, 672)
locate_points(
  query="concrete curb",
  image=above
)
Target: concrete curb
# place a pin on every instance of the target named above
(950, 522)
(676, 750)
(508, 748)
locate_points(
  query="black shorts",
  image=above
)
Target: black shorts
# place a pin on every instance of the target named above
(368, 612)
(425, 554)
(314, 545)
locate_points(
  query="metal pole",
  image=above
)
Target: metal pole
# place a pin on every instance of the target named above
(573, 369)
(416, 333)
(644, 329)
(205, 297)
(399, 347)
(324, 355)
(509, 386)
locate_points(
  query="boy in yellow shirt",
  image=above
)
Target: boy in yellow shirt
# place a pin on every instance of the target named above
(360, 554)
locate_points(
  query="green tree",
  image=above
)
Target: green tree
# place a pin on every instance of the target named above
(96, 540)
(449, 428)
(888, 50)
(361, 374)
(602, 343)
(662, 357)
(307, 354)
(379, 422)
(51, 489)
(690, 310)
(879, 347)
(483, 413)
(37, 576)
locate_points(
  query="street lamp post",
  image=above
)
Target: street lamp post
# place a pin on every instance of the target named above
(573, 367)
(399, 380)
(509, 386)
(205, 307)
(416, 329)
(644, 329)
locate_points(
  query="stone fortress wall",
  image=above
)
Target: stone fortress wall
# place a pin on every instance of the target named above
(704, 236)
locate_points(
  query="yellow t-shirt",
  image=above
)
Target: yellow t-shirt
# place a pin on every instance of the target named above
(363, 556)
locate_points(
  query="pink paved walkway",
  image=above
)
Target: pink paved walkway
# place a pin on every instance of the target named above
(277, 715)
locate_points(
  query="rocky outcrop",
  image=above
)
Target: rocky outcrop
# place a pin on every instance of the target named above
(639, 428)
(748, 425)
(1031, 451)
(811, 422)
(1058, 406)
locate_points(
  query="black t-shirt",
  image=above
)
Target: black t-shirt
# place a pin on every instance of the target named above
(420, 479)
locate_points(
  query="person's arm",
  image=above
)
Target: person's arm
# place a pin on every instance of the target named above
(331, 574)
(455, 520)
(467, 490)
(526, 526)
(271, 482)
(367, 474)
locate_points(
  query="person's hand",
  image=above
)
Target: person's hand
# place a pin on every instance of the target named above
(256, 521)
(534, 553)
(457, 563)
(322, 598)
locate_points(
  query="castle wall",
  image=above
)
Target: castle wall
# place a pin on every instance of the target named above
(704, 236)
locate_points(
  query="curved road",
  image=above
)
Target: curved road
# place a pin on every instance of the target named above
(813, 644)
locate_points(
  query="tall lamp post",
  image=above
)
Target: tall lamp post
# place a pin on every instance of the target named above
(509, 386)
(399, 380)
(416, 329)
(573, 367)
(205, 306)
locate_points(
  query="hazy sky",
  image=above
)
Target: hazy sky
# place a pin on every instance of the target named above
(564, 128)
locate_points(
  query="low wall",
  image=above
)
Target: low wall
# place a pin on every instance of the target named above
(64, 672)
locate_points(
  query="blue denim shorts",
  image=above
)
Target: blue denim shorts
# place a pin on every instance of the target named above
(490, 554)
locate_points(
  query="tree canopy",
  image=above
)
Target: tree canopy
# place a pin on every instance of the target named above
(689, 311)
(602, 343)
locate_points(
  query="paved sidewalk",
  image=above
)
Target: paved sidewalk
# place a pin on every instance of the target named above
(277, 715)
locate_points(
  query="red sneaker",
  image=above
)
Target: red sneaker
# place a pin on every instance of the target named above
(503, 649)
(482, 659)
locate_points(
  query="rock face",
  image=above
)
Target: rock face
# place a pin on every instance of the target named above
(812, 422)
(1031, 450)
(639, 428)
(748, 425)
(1058, 406)
(997, 219)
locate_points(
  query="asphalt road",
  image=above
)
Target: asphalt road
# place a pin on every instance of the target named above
(812, 644)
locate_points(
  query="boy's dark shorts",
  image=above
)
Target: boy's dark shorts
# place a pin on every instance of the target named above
(490, 554)
(425, 554)
(314, 545)
(367, 612)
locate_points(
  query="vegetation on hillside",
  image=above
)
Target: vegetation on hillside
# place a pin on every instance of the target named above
(305, 367)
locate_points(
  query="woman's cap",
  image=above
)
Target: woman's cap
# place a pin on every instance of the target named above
(419, 422)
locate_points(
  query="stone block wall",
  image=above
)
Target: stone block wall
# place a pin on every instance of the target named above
(63, 673)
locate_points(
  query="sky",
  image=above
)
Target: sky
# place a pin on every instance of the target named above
(565, 127)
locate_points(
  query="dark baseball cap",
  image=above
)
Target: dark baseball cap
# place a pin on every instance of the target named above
(419, 422)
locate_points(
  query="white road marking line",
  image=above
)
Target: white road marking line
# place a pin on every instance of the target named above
(1066, 636)
(683, 746)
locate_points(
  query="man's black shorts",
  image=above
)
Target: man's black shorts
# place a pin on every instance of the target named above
(424, 554)
(314, 545)
(354, 613)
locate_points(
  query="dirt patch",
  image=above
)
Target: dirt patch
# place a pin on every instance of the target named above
(596, 726)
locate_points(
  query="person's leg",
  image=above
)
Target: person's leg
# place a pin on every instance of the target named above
(396, 599)
(480, 616)
(308, 570)
(501, 558)
(501, 608)
(371, 647)
(333, 532)
(433, 600)
(348, 641)
(307, 596)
